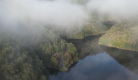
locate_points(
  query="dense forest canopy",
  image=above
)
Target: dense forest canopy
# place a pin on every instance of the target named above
(27, 57)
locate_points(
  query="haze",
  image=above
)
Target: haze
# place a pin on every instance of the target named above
(60, 13)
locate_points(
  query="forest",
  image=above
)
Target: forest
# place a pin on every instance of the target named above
(27, 53)
(27, 57)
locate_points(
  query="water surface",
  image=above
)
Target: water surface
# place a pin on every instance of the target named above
(100, 63)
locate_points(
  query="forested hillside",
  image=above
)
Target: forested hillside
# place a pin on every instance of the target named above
(33, 34)
(27, 51)
(122, 35)
(28, 57)
(94, 26)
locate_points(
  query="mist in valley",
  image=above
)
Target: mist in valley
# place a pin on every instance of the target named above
(38, 34)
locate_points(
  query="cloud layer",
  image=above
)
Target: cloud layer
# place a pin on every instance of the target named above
(57, 13)
(119, 8)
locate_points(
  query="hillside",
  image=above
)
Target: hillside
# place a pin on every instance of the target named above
(94, 26)
(123, 35)
(27, 57)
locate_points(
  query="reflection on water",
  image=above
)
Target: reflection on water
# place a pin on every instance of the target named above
(100, 63)
(128, 59)
(98, 67)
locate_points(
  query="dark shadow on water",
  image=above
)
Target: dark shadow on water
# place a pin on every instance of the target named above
(127, 58)
(53, 71)
(69, 69)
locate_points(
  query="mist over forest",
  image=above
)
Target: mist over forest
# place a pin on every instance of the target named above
(33, 33)
(62, 13)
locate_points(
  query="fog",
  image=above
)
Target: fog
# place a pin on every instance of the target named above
(27, 19)
(60, 13)
(115, 8)
(56, 13)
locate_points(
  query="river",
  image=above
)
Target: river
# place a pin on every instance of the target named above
(98, 62)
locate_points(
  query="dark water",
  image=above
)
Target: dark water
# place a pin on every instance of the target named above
(100, 63)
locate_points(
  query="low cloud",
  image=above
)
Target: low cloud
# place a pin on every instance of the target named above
(115, 8)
